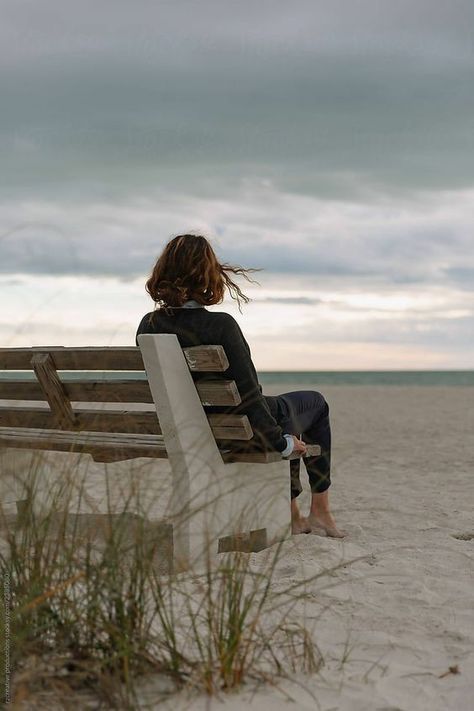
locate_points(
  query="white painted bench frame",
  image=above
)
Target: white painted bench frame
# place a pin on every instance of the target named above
(210, 498)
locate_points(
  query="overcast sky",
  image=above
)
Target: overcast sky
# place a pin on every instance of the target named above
(329, 143)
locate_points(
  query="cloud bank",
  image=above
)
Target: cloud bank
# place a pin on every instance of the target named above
(425, 240)
(336, 100)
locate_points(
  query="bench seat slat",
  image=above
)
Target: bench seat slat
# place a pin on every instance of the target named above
(211, 392)
(204, 359)
(108, 437)
(103, 446)
(107, 446)
(251, 457)
(234, 427)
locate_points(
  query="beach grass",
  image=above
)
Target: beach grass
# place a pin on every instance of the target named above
(94, 608)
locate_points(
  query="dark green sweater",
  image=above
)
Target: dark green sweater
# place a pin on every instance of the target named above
(197, 326)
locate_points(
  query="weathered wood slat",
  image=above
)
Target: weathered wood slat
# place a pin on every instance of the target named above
(89, 420)
(218, 392)
(251, 457)
(206, 359)
(103, 446)
(211, 392)
(53, 389)
(106, 448)
(248, 542)
(107, 437)
(210, 359)
(64, 358)
(79, 390)
(232, 427)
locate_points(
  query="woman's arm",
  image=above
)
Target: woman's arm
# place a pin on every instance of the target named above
(241, 369)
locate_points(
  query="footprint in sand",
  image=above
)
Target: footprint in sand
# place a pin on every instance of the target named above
(468, 536)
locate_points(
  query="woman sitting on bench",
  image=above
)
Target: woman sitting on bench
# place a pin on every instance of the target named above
(186, 278)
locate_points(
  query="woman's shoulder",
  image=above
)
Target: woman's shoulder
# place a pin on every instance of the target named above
(225, 320)
(214, 323)
(146, 321)
(221, 316)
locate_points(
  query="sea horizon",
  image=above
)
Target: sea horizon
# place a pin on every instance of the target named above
(460, 378)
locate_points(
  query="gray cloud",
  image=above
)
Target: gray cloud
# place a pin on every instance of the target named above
(428, 331)
(462, 275)
(159, 29)
(339, 100)
(426, 240)
(290, 300)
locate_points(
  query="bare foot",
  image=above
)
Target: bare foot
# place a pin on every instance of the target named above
(318, 530)
(300, 525)
(325, 520)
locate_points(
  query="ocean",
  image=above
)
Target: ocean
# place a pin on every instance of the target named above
(460, 378)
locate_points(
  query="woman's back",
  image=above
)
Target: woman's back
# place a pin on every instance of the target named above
(196, 326)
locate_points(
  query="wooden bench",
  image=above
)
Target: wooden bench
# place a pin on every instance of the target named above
(222, 496)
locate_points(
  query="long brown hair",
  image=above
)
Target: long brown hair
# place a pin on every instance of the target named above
(189, 269)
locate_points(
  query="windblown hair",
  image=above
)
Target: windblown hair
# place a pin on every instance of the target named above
(189, 269)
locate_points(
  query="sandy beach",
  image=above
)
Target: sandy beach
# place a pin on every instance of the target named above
(390, 625)
(395, 624)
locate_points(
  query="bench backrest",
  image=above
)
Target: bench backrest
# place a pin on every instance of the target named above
(63, 396)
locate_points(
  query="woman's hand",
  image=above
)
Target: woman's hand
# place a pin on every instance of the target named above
(299, 447)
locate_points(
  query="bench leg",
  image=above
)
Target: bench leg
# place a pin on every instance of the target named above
(251, 542)
(242, 507)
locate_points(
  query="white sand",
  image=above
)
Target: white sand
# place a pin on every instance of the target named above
(403, 487)
(391, 624)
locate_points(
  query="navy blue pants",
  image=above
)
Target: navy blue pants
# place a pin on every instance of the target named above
(305, 413)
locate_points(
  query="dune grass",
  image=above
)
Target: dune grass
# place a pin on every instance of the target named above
(96, 609)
